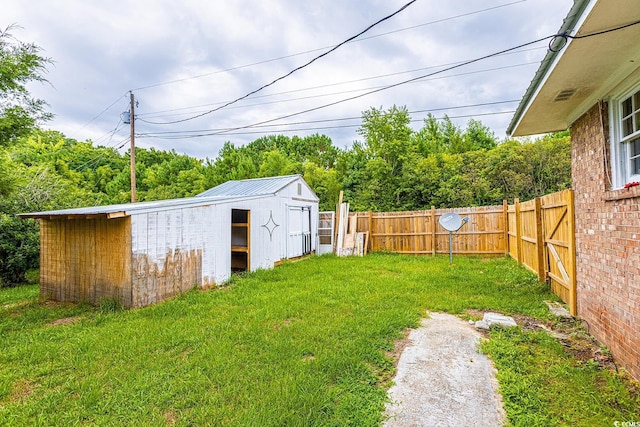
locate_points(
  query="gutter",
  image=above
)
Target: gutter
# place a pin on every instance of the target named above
(574, 15)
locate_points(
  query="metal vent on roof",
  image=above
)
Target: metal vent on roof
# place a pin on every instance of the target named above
(565, 94)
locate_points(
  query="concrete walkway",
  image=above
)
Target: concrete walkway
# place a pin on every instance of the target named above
(442, 380)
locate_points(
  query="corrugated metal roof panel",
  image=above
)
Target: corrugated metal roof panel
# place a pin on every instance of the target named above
(131, 208)
(251, 187)
(230, 190)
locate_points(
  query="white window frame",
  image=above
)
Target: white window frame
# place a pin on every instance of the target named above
(620, 147)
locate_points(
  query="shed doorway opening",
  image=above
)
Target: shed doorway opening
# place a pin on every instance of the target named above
(240, 240)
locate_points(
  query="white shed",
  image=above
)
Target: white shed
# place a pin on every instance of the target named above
(142, 253)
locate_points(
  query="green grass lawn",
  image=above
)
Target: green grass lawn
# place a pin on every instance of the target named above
(308, 343)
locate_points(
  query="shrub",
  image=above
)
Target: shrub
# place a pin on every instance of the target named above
(19, 249)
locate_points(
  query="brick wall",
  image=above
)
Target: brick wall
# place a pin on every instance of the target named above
(607, 243)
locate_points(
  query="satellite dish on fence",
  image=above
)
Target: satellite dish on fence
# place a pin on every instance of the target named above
(452, 222)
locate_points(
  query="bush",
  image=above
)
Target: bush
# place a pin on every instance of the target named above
(19, 249)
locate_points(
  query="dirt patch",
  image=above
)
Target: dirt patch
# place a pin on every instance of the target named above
(398, 347)
(569, 332)
(285, 323)
(65, 321)
(15, 305)
(21, 390)
(171, 417)
(581, 345)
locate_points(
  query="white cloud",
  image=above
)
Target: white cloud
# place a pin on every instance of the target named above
(103, 49)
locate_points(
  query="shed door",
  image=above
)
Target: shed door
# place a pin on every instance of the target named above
(299, 242)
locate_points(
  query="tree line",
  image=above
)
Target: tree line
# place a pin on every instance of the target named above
(390, 167)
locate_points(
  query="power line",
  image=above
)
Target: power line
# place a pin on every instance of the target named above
(437, 21)
(175, 137)
(565, 36)
(300, 67)
(471, 61)
(345, 91)
(100, 113)
(428, 110)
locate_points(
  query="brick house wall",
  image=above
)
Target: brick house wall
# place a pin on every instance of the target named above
(607, 242)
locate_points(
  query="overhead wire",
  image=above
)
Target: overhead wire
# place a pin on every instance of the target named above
(566, 36)
(471, 61)
(284, 76)
(437, 21)
(100, 113)
(428, 110)
(176, 137)
(158, 114)
(93, 162)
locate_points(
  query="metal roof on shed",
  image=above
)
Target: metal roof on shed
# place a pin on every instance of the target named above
(229, 191)
(116, 211)
(251, 187)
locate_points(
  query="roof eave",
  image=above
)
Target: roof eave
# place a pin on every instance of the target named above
(548, 62)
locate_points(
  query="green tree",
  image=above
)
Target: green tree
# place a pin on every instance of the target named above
(478, 136)
(390, 154)
(430, 139)
(274, 163)
(20, 63)
(324, 183)
(19, 248)
(550, 163)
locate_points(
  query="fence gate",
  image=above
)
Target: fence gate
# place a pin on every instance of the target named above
(558, 229)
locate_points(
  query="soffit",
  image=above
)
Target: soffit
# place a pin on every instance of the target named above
(585, 70)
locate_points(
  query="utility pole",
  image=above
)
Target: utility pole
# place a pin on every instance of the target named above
(132, 154)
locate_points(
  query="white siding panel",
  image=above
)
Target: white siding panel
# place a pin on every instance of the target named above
(139, 234)
(152, 235)
(177, 248)
(215, 259)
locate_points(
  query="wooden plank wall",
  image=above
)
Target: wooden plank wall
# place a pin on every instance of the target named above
(542, 238)
(85, 259)
(419, 232)
(558, 233)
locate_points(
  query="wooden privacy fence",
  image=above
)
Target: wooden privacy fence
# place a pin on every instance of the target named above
(542, 238)
(539, 234)
(418, 232)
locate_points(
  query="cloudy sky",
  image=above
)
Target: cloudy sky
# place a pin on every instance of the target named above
(183, 59)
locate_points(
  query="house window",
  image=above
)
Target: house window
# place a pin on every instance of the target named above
(625, 143)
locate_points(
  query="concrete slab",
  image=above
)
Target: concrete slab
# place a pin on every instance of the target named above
(499, 319)
(442, 380)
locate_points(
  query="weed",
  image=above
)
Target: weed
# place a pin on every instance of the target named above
(110, 305)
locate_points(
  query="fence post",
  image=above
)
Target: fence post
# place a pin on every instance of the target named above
(505, 209)
(433, 230)
(370, 248)
(516, 201)
(540, 241)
